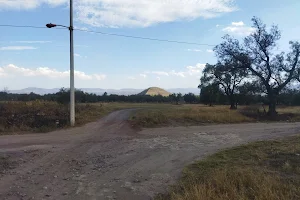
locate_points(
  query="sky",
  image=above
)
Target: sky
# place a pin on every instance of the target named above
(40, 57)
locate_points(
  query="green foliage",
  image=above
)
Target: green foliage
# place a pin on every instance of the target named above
(257, 55)
(190, 98)
(211, 94)
(227, 75)
(176, 97)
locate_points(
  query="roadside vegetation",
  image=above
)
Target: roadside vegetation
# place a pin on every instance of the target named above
(45, 116)
(265, 170)
(178, 115)
(40, 116)
(186, 115)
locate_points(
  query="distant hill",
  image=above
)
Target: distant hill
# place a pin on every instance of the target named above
(100, 91)
(35, 90)
(152, 91)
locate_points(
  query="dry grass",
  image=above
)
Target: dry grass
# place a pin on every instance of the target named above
(285, 113)
(187, 115)
(260, 171)
(199, 114)
(41, 116)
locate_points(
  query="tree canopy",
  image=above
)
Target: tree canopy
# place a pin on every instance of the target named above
(257, 53)
(225, 74)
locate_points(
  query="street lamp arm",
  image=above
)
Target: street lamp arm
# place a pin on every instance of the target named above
(63, 26)
(50, 25)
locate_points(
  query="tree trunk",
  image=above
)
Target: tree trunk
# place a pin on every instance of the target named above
(272, 105)
(232, 105)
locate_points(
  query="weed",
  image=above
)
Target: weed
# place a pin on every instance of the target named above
(200, 114)
(262, 170)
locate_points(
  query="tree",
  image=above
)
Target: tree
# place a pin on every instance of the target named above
(209, 93)
(176, 97)
(256, 54)
(249, 92)
(190, 98)
(227, 75)
(63, 96)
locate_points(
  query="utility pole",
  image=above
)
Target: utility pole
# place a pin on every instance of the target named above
(72, 82)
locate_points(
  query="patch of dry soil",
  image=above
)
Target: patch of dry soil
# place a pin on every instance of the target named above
(109, 160)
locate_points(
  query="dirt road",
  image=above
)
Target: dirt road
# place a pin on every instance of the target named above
(109, 160)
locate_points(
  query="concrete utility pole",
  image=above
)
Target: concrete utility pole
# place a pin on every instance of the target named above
(72, 82)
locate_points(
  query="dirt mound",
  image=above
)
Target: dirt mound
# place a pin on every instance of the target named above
(152, 91)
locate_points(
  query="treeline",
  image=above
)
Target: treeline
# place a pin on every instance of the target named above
(213, 95)
(210, 95)
(63, 97)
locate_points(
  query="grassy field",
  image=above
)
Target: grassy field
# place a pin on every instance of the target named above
(201, 114)
(40, 116)
(266, 170)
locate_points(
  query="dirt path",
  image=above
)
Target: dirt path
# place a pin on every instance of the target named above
(109, 160)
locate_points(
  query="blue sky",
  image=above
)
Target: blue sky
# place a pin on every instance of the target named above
(40, 57)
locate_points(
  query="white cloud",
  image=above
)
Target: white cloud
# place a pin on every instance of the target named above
(79, 55)
(195, 50)
(132, 13)
(28, 4)
(160, 73)
(100, 77)
(194, 70)
(81, 28)
(33, 42)
(131, 78)
(209, 51)
(17, 48)
(158, 78)
(189, 71)
(181, 74)
(2, 73)
(13, 71)
(143, 75)
(238, 23)
(239, 28)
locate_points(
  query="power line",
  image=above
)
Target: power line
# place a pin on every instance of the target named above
(111, 34)
(144, 38)
(23, 26)
(17, 26)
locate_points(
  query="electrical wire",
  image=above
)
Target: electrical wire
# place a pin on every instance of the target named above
(24, 26)
(110, 34)
(143, 38)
